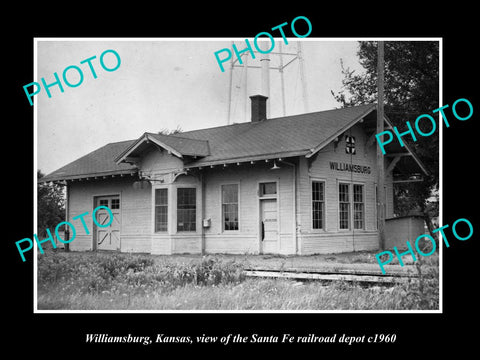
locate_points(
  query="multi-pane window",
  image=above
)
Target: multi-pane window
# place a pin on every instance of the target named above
(115, 203)
(103, 202)
(269, 188)
(230, 207)
(161, 210)
(186, 209)
(344, 205)
(358, 207)
(318, 204)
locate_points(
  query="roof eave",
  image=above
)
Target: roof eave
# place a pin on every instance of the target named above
(320, 146)
(358, 119)
(48, 178)
(417, 160)
(201, 163)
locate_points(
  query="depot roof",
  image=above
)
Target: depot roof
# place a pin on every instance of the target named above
(296, 135)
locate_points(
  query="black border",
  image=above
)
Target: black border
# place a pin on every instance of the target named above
(428, 333)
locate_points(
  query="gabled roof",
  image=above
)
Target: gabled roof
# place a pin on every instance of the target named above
(296, 135)
(280, 137)
(178, 145)
(184, 145)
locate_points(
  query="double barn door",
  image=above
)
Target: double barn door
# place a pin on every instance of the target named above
(107, 238)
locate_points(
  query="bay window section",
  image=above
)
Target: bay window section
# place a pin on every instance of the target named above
(161, 210)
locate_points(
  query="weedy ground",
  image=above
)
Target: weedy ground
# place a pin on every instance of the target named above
(119, 281)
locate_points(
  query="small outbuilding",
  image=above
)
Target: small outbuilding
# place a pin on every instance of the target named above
(299, 184)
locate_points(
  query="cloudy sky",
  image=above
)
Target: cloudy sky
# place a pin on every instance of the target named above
(165, 84)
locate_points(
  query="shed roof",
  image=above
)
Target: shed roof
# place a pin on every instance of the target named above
(286, 136)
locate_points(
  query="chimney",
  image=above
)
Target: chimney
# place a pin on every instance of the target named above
(259, 107)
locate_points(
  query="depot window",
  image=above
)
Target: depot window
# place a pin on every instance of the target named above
(115, 203)
(344, 205)
(358, 207)
(186, 209)
(318, 204)
(230, 206)
(161, 210)
(268, 189)
(351, 205)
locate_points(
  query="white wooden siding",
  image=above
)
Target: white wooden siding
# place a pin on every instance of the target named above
(161, 244)
(247, 238)
(331, 239)
(329, 243)
(134, 206)
(138, 206)
(159, 161)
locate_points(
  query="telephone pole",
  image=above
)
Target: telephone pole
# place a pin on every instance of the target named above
(380, 157)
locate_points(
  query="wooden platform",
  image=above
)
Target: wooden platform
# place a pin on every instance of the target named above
(338, 272)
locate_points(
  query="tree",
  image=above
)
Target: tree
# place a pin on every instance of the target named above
(411, 89)
(50, 206)
(165, 131)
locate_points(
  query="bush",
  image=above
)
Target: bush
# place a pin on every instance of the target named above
(125, 274)
(51, 268)
(423, 292)
(210, 271)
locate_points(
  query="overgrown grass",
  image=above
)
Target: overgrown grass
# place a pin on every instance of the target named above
(99, 281)
(118, 274)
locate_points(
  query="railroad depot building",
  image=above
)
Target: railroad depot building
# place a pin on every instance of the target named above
(299, 184)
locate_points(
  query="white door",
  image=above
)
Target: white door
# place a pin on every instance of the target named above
(269, 226)
(108, 238)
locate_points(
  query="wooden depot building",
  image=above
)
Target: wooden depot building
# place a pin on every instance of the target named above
(299, 184)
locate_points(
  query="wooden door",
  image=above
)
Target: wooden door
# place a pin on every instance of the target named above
(269, 226)
(108, 238)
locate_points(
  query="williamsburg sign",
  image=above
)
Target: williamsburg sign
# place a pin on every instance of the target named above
(350, 167)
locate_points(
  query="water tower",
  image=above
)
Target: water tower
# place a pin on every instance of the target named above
(264, 64)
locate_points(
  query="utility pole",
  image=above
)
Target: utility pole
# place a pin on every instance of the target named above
(380, 157)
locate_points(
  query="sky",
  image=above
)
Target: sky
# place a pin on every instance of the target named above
(168, 84)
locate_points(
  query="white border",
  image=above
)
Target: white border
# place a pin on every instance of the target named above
(439, 311)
